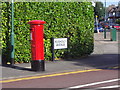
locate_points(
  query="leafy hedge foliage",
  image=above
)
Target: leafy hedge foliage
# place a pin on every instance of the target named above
(5, 31)
(74, 20)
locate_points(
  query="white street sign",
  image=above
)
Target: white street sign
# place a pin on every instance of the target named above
(60, 43)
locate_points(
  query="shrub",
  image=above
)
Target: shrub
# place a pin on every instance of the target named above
(74, 20)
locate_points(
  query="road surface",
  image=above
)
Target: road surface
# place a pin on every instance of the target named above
(94, 78)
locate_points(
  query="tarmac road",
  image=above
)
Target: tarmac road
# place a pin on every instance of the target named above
(68, 80)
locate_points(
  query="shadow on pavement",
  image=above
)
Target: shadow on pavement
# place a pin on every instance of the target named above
(94, 61)
(17, 67)
(103, 61)
(97, 61)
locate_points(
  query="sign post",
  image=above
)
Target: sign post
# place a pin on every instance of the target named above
(58, 43)
(53, 54)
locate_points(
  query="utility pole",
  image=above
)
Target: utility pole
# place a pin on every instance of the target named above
(12, 34)
(105, 10)
(96, 17)
(105, 21)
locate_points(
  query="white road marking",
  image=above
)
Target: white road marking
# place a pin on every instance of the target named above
(28, 67)
(115, 86)
(95, 83)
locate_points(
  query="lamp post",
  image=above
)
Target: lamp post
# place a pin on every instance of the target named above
(96, 17)
(105, 11)
(105, 21)
(12, 34)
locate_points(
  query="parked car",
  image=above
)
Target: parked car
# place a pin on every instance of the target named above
(99, 28)
(105, 25)
(117, 27)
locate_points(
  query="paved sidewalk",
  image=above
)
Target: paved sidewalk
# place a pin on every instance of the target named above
(105, 54)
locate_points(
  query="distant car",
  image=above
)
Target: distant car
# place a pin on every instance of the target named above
(117, 27)
(107, 26)
(99, 28)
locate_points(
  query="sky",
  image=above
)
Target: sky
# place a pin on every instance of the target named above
(110, 2)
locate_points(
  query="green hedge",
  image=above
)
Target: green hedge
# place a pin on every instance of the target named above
(74, 20)
(5, 31)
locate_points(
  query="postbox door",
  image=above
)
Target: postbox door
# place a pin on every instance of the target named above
(39, 42)
(33, 45)
(37, 45)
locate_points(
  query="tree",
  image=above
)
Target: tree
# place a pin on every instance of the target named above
(99, 10)
(118, 20)
(119, 3)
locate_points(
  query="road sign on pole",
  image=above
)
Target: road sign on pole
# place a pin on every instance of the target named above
(58, 43)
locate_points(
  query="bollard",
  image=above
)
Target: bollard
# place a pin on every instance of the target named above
(105, 33)
(37, 45)
(113, 34)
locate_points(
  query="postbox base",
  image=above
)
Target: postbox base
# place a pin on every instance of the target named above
(38, 65)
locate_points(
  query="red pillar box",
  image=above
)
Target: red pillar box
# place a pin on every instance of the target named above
(37, 45)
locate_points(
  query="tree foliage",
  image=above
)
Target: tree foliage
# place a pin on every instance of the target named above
(99, 9)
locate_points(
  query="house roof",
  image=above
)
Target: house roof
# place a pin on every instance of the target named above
(113, 8)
